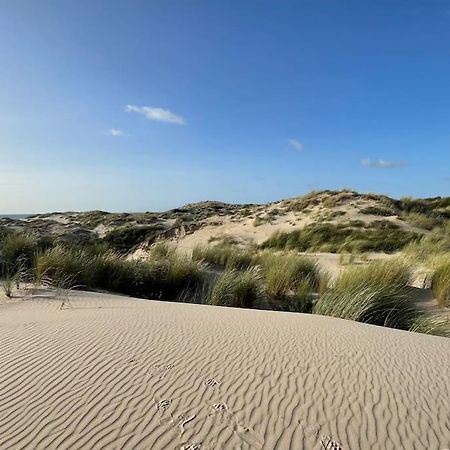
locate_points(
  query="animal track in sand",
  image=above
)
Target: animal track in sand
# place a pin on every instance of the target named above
(330, 444)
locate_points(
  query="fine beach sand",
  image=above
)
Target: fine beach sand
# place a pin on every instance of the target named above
(113, 372)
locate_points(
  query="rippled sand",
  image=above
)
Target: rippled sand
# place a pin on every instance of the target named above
(105, 371)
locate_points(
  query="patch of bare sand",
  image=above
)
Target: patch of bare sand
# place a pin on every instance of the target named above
(114, 372)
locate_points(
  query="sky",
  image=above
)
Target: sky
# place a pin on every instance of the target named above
(147, 105)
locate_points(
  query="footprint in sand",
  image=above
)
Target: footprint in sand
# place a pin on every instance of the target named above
(232, 422)
(330, 444)
(161, 407)
(210, 382)
(162, 370)
(183, 420)
(309, 430)
(220, 407)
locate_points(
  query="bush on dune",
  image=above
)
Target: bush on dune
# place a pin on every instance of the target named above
(125, 238)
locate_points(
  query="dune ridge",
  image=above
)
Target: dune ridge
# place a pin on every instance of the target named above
(104, 371)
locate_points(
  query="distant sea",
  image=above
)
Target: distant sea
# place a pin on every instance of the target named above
(15, 216)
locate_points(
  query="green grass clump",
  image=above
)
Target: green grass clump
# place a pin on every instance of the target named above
(431, 324)
(440, 282)
(378, 211)
(393, 272)
(59, 263)
(380, 236)
(302, 300)
(423, 221)
(164, 275)
(228, 256)
(238, 288)
(376, 294)
(17, 252)
(430, 246)
(285, 272)
(428, 206)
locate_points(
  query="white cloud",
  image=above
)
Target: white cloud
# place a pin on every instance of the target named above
(116, 132)
(383, 164)
(159, 114)
(296, 144)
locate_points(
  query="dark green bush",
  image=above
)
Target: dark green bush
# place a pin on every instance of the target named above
(126, 238)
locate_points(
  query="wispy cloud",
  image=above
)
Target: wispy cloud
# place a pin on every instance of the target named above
(296, 144)
(383, 164)
(159, 114)
(116, 132)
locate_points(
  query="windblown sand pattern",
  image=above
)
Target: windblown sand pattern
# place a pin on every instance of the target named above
(114, 372)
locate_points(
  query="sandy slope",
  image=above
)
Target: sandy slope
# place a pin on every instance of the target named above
(114, 372)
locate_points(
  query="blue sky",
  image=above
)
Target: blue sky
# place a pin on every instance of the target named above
(147, 105)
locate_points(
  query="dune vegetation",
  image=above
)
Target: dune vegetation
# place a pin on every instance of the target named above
(272, 275)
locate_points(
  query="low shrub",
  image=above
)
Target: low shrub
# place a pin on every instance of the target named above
(126, 238)
(238, 288)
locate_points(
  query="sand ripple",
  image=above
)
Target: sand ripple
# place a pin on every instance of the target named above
(118, 373)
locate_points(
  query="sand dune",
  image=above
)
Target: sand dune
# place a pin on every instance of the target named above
(113, 372)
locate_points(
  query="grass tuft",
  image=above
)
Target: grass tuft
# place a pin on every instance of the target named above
(285, 272)
(238, 288)
(377, 293)
(440, 282)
